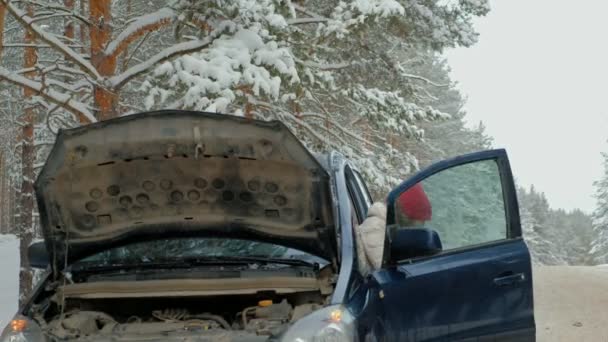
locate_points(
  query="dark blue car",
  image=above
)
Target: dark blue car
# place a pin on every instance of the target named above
(186, 226)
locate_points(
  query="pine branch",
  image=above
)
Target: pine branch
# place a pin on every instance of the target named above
(61, 9)
(138, 27)
(306, 11)
(339, 127)
(176, 50)
(136, 49)
(304, 21)
(64, 100)
(313, 132)
(50, 16)
(426, 80)
(37, 46)
(27, 22)
(320, 66)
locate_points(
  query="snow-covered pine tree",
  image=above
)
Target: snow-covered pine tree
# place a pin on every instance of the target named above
(573, 232)
(336, 72)
(531, 236)
(599, 250)
(555, 236)
(538, 232)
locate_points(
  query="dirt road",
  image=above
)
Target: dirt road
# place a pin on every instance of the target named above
(571, 303)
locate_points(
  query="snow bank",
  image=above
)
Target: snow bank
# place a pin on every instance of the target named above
(9, 285)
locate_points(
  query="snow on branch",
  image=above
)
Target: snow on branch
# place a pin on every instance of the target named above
(50, 39)
(138, 27)
(60, 9)
(64, 100)
(321, 66)
(166, 54)
(311, 130)
(345, 130)
(313, 17)
(424, 79)
(306, 11)
(303, 21)
(51, 16)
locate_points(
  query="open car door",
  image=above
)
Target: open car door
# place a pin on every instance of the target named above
(456, 267)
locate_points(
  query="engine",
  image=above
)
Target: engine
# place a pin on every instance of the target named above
(180, 319)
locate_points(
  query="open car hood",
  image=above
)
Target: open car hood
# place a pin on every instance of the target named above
(178, 173)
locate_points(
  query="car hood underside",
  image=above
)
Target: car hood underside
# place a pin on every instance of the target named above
(179, 173)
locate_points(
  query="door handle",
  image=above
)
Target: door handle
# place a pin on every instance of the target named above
(509, 278)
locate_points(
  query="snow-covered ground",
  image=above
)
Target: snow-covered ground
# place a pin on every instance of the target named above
(571, 303)
(9, 271)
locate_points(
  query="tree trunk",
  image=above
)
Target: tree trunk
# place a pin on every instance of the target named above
(83, 28)
(2, 16)
(100, 32)
(69, 32)
(27, 162)
(125, 54)
(3, 199)
(6, 200)
(69, 24)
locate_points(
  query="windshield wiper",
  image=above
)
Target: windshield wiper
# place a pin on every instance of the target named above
(94, 267)
(263, 260)
(190, 262)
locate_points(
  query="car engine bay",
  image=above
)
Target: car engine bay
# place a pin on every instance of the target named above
(133, 312)
(225, 319)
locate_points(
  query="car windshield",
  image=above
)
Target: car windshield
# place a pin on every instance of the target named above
(172, 250)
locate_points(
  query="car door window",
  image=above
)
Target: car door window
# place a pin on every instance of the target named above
(359, 194)
(464, 205)
(364, 191)
(358, 211)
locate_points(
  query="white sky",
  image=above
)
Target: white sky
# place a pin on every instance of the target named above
(538, 79)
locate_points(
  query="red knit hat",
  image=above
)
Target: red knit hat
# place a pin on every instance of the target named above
(415, 204)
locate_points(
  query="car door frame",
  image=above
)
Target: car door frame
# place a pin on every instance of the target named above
(348, 277)
(352, 289)
(513, 236)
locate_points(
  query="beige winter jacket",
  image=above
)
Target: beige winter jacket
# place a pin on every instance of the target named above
(370, 238)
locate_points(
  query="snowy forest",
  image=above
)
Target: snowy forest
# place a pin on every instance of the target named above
(366, 78)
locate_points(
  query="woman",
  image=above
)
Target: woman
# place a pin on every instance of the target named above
(412, 209)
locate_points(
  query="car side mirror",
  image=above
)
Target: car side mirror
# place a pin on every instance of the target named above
(38, 256)
(408, 243)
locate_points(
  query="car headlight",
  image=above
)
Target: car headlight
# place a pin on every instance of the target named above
(22, 329)
(331, 324)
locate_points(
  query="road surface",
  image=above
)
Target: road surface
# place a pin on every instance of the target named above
(571, 303)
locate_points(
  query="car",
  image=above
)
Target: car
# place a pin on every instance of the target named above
(189, 226)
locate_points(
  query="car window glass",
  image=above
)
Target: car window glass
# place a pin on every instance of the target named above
(168, 250)
(362, 263)
(353, 215)
(364, 191)
(464, 204)
(356, 196)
